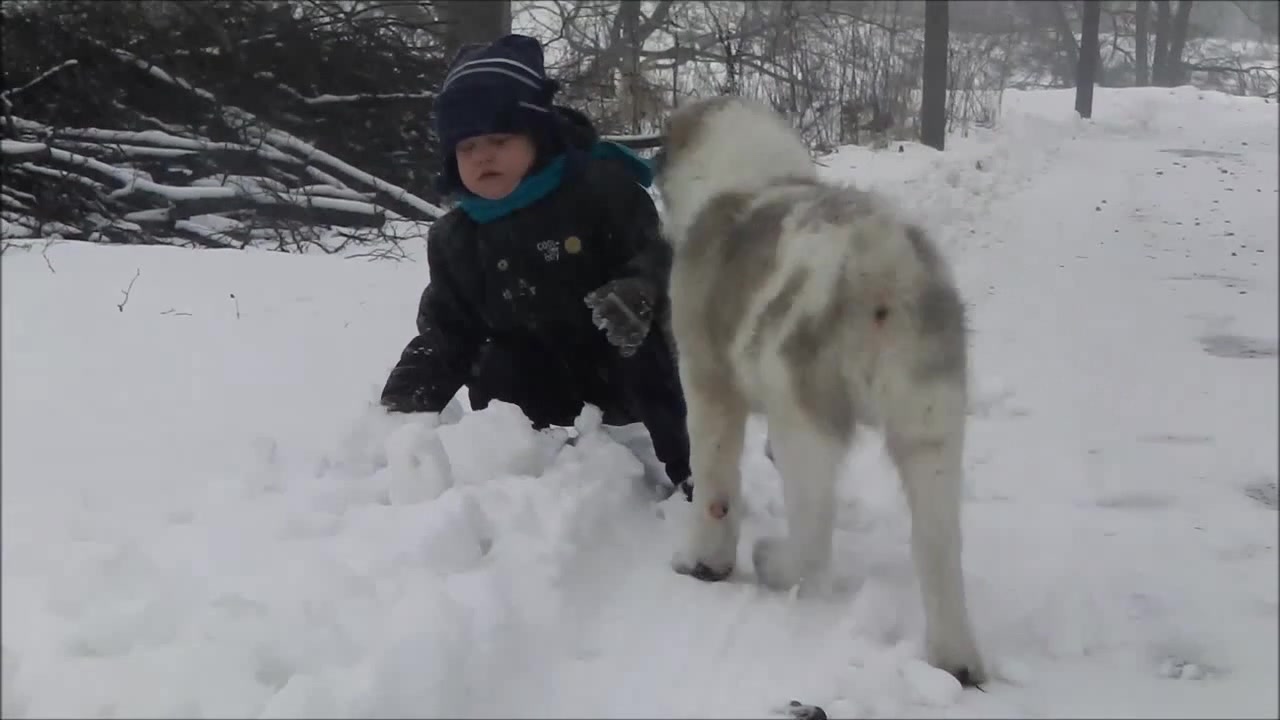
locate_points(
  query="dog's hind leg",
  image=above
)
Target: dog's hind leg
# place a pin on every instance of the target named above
(808, 461)
(717, 416)
(928, 449)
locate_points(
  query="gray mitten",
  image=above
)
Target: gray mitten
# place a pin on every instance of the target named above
(623, 309)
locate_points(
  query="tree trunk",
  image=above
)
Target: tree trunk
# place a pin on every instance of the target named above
(933, 100)
(1142, 32)
(1174, 74)
(1087, 65)
(631, 77)
(473, 22)
(1160, 56)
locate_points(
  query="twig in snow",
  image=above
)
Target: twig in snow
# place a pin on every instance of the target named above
(171, 311)
(44, 253)
(237, 304)
(129, 289)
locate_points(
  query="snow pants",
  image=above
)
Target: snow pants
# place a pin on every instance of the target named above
(552, 386)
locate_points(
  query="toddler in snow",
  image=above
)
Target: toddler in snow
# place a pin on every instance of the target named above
(548, 279)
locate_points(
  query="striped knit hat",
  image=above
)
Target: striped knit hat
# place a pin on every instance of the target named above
(497, 88)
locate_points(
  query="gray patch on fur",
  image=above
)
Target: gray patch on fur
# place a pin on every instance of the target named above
(816, 364)
(778, 307)
(740, 244)
(826, 205)
(940, 314)
(924, 249)
(745, 247)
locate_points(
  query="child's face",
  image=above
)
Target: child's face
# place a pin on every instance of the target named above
(491, 166)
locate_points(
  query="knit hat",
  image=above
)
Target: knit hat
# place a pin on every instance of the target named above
(497, 88)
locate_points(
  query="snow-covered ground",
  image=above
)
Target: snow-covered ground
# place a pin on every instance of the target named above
(204, 514)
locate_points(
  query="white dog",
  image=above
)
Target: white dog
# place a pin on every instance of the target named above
(814, 305)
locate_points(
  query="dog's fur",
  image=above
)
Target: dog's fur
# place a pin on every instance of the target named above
(814, 305)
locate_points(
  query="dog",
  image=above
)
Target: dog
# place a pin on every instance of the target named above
(818, 307)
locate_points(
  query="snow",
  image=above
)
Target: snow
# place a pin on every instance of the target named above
(205, 515)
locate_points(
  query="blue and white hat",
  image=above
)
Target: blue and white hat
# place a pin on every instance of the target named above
(497, 88)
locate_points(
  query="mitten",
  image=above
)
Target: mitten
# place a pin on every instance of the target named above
(623, 309)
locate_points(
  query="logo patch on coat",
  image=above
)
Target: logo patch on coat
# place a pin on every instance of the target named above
(573, 244)
(550, 250)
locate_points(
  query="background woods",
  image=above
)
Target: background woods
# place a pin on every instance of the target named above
(306, 125)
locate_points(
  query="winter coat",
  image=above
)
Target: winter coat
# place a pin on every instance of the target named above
(520, 281)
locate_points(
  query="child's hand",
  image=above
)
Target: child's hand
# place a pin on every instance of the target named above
(624, 310)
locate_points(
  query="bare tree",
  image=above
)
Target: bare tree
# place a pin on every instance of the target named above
(1164, 20)
(933, 100)
(473, 22)
(1087, 67)
(1142, 33)
(1174, 73)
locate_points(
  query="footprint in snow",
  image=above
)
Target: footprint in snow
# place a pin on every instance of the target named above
(1180, 669)
(1264, 491)
(1176, 439)
(1238, 346)
(1135, 501)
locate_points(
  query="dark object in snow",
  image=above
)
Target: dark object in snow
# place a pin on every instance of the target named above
(1238, 347)
(800, 711)
(1265, 492)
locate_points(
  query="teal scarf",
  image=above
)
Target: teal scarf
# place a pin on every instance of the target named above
(538, 185)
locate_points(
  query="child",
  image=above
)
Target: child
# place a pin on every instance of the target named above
(548, 280)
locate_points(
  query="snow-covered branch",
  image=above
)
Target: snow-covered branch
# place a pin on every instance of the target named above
(4, 95)
(257, 130)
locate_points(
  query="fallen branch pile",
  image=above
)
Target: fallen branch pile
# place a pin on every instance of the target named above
(214, 124)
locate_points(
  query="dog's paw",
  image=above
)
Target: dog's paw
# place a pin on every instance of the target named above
(775, 563)
(966, 668)
(711, 548)
(708, 568)
(970, 675)
(950, 646)
(703, 572)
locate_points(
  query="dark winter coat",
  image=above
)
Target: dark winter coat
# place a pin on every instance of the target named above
(516, 286)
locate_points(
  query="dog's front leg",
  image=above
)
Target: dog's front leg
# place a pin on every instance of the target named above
(930, 458)
(717, 419)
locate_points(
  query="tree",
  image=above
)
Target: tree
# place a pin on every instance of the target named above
(1171, 39)
(1173, 69)
(1087, 65)
(1164, 19)
(933, 100)
(1142, 32)
(473, 22)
